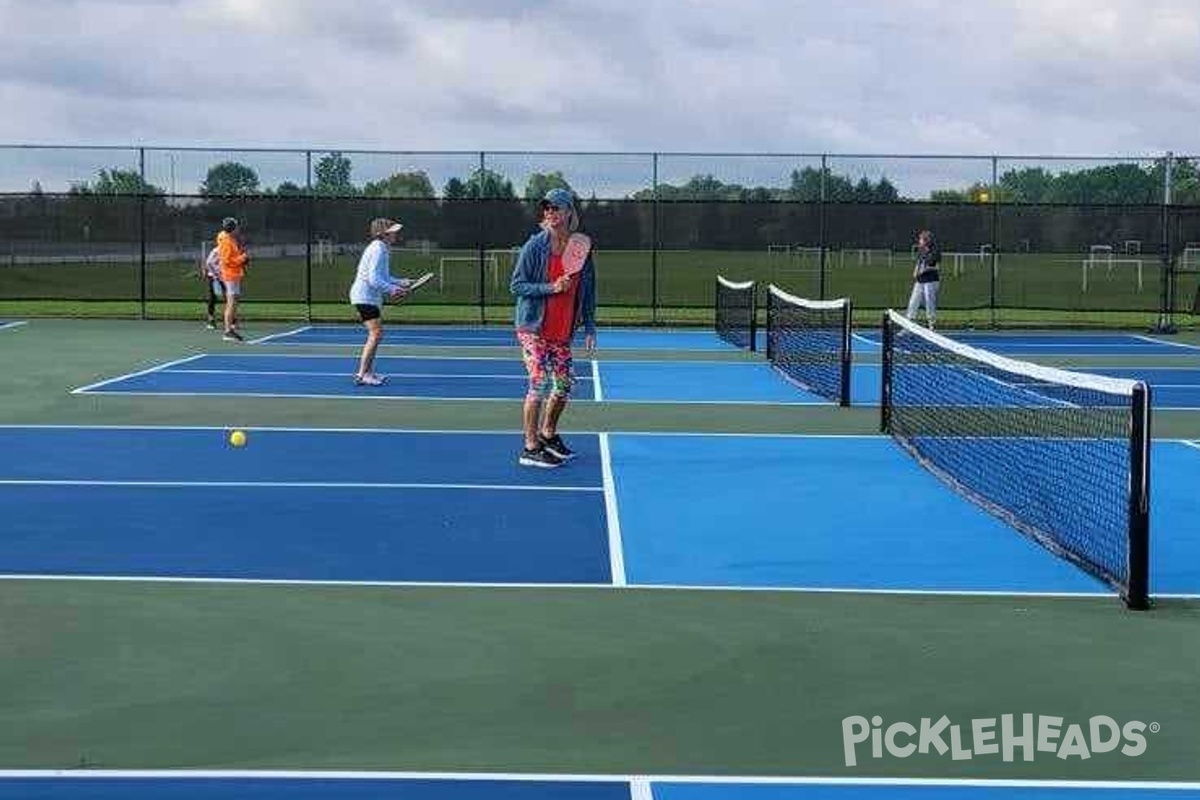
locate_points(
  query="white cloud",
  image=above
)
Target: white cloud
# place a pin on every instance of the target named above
(896, 76)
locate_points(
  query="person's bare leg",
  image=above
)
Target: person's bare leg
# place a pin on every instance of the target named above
(554, 409)
(366, 362)
(231, 311)
(531, 414)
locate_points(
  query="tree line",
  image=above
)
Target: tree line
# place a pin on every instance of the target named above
(1124, 183)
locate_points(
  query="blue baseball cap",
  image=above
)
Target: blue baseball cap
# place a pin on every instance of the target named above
(559, 198)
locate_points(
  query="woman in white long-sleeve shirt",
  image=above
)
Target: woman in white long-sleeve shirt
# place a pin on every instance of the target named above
(374, 283)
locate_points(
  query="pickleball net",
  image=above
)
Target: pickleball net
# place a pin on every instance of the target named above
(809, 343)
(736, 312)
(1061, 456)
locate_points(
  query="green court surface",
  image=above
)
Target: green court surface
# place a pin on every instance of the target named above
(169, 675)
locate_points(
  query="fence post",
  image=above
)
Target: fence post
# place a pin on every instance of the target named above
(142, 228)
(479, 207)
(654, 240)
(994, 197)
(821, 222)
(1166, 300)
(309, 234)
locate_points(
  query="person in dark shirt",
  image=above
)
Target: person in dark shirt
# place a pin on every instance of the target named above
(925, 278)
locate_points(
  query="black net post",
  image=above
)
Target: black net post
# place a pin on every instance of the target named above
(771, 327)
(754, 318)
(847, 357)
(1138, 595)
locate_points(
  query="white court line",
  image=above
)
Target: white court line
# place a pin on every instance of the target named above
(558, 777)
(1016, 346)
(1144, 338)
(269, 337)
(655, 588)
(473, 343)
(597, 387)
(307, 374)
(348, 584)
(332, 342)
(296, 485)
(406, 337)
(91, 388)
(506, 329)
(616, 547)
(302, 356)
(366, 395)
(1194, 445)
(639, 789)
(867, 339)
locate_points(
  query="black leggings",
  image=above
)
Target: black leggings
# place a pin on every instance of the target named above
(212, 295)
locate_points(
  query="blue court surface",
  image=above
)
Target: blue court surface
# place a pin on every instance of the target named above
(412, 507)
(1056, 343)
(328, 376)
(1171, 387)
(496, 336)
(795, 512)
(271, 375)
(852, 513)
(867, 340)
(378, 786)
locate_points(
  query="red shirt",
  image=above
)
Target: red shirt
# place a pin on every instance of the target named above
(559, 322)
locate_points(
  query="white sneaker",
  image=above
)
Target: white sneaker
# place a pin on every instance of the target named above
(370, 379)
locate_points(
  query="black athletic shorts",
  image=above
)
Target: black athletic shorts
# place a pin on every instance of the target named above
(366, 312)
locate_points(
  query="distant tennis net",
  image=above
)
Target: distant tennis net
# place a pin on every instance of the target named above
(1063, 457)
(736, 312)
(808, 341)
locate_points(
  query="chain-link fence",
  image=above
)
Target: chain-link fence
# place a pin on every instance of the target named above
(122, 231)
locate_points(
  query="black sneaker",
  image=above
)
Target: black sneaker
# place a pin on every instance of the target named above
(232, 336)
(557, 446)
(539, 457)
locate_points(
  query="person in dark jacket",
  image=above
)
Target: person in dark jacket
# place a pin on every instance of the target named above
(925, 278)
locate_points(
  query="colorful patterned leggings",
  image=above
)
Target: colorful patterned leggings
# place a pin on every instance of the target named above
(548, 364)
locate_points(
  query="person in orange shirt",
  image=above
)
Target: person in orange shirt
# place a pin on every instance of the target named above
(232, 252)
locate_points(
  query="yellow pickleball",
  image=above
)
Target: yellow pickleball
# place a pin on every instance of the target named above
(237, 438)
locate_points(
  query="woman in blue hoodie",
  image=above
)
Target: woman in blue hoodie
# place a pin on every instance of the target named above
(550, 306)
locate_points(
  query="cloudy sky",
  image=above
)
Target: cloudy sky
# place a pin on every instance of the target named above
(1061, 77)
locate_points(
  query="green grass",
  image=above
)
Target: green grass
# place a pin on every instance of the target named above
(1030, 289)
